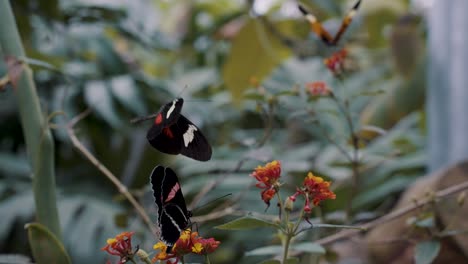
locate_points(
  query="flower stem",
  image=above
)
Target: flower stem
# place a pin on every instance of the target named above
(207, 259)
(286, 247)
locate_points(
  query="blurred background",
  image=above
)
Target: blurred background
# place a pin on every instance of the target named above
(242, 68)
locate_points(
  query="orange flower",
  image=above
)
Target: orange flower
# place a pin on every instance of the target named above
(267, 178)
(314, 188)
(336, 62)
(318, 189)
(188, 242)
(319, 88)
(120, 246)
(205, 246)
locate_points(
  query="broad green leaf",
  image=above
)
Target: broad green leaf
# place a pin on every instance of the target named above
(268, 250)
(15, 259)
(194, 80)
(98, 97)
(244, 223)
(335, 226)
(426, 222)
(395, 184)
(14, 165)
(292, 261)
(271, 261)
(124, 89)
(255, 53)
(19, 207)
(426, 252)
(309, 247)
(45, 247)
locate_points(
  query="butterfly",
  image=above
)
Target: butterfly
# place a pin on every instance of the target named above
(173, 133)
(173, 216)
(318, 29)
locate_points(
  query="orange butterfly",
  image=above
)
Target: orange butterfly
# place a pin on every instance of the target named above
(321, 32)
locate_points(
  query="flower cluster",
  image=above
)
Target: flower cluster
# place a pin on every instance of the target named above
(318, 88)
(267, 178)
(120, 246)
(336, 62)
(314, 188)
(188, 242)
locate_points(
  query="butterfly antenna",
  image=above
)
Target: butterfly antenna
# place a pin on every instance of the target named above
(199, 100)
(212, 201)
(137, 120)
(182, 91)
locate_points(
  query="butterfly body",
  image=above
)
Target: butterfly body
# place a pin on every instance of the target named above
(173, 133)
(173, 215)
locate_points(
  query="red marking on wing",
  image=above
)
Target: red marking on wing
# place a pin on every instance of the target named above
(158, 119)
(172, 193)
(168, 132)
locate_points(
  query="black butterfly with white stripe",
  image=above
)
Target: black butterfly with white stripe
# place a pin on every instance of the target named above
(173, 216)
(173, 133)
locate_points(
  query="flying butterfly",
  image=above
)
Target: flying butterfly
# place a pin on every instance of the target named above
(173, 133)
(173, 216)
(323, 34)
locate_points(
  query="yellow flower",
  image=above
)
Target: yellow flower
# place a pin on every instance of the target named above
(161, 255)
(160, 245)
(197, 248)
(111, 241)
(316, 179)
(185, 235)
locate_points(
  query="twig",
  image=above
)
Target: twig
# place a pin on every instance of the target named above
(214, 215)
(120, 187)
(395, 214)
(213, 184)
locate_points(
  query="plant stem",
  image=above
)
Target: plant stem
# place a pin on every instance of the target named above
(120, 186)
(286, 247)
(344, 109)
(207, 259)
(38, 137)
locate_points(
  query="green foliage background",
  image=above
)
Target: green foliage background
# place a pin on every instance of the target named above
(124, 59)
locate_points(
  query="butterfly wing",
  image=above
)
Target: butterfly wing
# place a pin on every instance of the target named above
(168, 114)
(171, 223)
(173, 216)
(156, 179)
(169, 140)
(321, 32)
(193, 144)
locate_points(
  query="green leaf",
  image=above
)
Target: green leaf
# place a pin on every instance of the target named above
(268, 250)
(426, 222)
(98, 97)
(195, 80)
(271, 261)
(377, 193)
(255, 53)
(45, 246)
(244, 223)
(15, 259)
(426, 252)
(123, 88)
(14, 165)
(292, 261)
(336, 226)
(309, 247)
